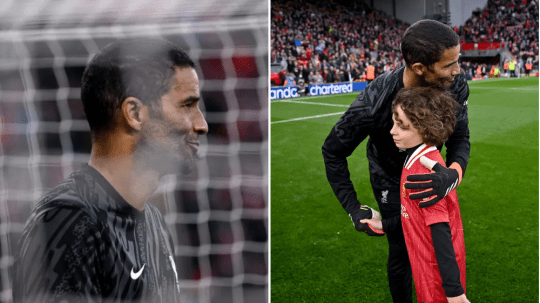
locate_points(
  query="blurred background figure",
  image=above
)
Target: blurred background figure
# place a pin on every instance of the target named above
(217, 215)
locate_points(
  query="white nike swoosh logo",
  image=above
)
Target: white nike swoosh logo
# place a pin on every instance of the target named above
(136, 275)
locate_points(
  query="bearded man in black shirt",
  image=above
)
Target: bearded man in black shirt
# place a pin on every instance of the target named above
(95, 237)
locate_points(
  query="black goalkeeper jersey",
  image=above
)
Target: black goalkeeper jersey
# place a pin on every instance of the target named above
(370, 114)
(85, 243)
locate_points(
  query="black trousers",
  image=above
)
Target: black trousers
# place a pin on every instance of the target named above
(398, 267)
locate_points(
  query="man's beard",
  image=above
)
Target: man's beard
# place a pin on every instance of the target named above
(165, 150)
(438, 83)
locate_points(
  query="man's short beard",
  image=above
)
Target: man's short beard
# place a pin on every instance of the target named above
(425, 83)
(167, 153)
(188, 164)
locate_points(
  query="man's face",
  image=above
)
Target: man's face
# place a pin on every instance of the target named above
(404, 134)
(441, 74)
(171, 136)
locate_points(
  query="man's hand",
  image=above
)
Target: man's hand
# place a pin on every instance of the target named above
(375, 222)
(366, 212)
(435, 186)
(459, 299)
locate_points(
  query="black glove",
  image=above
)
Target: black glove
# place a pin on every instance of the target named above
(364, 212)
(437, 184)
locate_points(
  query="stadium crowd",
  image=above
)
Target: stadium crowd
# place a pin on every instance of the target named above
(514, 22)
(320, 42)
(330, 42)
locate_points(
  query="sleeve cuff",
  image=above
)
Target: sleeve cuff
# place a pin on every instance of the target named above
(457, 167)
(454, 291)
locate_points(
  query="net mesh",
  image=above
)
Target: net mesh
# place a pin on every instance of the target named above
(218, 216)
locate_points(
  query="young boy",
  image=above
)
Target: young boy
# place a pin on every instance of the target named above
(423, 119)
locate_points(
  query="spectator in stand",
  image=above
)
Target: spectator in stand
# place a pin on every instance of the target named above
(289, 81)
(319, 78)
(304, 72)
(296, 73)
(311, 78)
(283, 75)
(274, 57)
(342, 76)
(355, 74)
(330, 76)
(283, 60)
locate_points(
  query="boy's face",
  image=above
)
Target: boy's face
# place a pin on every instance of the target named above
(404, 134)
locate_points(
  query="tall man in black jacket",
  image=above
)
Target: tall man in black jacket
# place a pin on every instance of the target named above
(431, 52)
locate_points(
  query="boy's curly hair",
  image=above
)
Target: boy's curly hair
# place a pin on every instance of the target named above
(432, 112)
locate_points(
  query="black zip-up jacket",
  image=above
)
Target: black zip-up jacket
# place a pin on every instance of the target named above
(371, 115)
(84, 243)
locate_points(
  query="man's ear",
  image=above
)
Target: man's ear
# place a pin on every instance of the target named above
(134, 113)
(419, 68)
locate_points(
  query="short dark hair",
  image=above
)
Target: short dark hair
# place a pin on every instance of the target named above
(143, 68)
(425, 42)
(432, 112)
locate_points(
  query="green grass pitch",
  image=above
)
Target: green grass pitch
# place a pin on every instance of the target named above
(318, 256)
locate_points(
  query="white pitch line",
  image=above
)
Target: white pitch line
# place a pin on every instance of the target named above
(503, 88)
(523, 88)
(494, 80)
(311, 103)
(306, 118)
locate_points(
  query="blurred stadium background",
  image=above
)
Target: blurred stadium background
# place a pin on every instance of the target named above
(218, 217)
(317, 255)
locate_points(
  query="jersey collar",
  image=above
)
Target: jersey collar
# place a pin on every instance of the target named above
(119, 202)
(421, 150)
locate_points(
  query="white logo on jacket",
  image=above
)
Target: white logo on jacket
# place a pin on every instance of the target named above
(136, 275)
(175, 273)
(384, 196)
